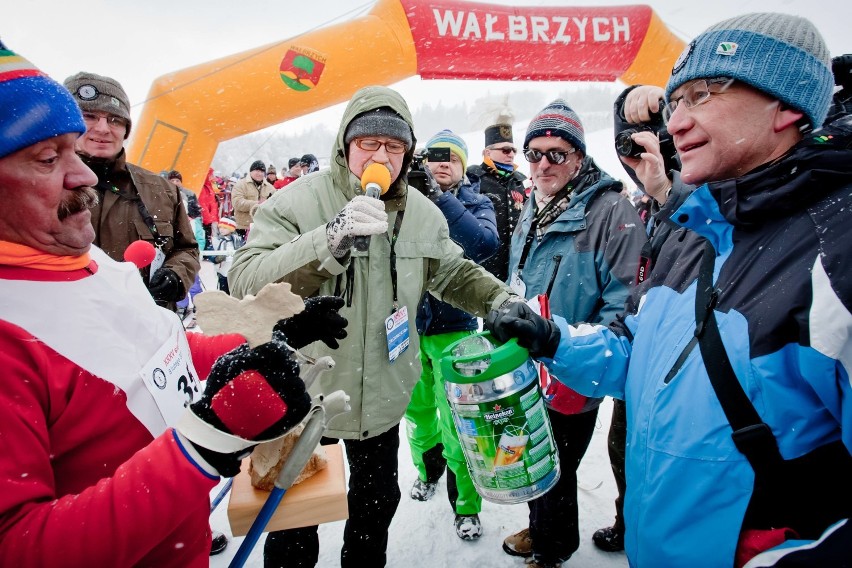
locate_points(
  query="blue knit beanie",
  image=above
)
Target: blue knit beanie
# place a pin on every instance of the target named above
(447, 139)
(781, 55)
(34, 106)
(557, 119)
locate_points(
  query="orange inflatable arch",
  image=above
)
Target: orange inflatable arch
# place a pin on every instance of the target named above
(189, 112)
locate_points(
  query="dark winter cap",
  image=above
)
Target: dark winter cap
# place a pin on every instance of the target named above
(309, 161)
(102, 94)
(557, 119)
(35, 107)
(781, 55)
(258, 165)
(382, 121)
(292, 162)
(174, 174)
(497, 134)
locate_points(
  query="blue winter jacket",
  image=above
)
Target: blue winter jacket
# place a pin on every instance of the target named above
(590, 252)
(470, 217)
(782, 237)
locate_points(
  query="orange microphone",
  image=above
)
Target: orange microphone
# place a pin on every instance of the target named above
(375, 180)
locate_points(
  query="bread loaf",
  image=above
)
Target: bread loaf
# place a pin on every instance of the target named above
(267, 460)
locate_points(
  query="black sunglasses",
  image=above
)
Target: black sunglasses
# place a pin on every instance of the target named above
(555, 157)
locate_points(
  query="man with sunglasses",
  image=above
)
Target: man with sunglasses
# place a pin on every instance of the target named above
(312, 237)
(734, 357)
(134, 204)
(504, 185)
(578, 241)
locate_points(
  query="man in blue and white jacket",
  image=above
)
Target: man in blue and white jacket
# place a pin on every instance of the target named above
(773, 200)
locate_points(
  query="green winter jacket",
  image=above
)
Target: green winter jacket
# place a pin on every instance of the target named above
(288, 244)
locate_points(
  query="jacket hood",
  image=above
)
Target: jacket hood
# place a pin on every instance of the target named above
(812, 169)
(367, 99)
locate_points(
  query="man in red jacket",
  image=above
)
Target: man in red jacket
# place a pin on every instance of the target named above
(106, 427)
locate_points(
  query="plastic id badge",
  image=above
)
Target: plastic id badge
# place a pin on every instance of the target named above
(396, 326)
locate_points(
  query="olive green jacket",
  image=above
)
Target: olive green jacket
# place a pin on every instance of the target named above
(288, 244)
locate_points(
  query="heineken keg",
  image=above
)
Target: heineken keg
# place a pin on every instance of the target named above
(501, 419)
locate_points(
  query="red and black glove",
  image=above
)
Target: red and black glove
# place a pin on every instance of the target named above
(320, 321)
(251, 395)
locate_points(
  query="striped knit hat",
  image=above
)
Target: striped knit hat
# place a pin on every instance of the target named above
(447, 139)
(781, 55)
(557, 119)
(34, 106)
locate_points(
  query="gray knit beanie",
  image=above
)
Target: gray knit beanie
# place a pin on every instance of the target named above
(781, 55)
(381, 121)
(98, 93)
(557, 119)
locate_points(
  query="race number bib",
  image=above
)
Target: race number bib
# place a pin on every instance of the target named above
(171, 379)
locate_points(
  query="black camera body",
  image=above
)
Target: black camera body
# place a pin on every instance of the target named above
(419, 175)
(420, 158)
(624, 144)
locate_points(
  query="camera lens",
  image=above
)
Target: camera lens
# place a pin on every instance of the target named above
(625, 146)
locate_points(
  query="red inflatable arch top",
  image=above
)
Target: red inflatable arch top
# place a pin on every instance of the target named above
(189, 112)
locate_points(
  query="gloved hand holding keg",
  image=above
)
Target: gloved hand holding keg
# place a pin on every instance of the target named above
(538, 335)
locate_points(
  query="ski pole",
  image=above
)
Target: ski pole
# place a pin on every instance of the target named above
(337, 402)
(221, 495)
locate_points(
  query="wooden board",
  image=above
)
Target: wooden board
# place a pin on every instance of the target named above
(319, 499)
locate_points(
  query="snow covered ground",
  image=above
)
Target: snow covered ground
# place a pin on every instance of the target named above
(422, 534)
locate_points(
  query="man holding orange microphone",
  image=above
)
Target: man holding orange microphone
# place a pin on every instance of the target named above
(310, 238)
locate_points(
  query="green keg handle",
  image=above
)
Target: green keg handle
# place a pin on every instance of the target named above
(505, 358)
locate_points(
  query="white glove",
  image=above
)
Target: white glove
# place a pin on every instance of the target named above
(362, 216)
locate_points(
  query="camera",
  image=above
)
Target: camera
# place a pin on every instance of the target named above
(624, 144)
(429, 155)
(419, 176)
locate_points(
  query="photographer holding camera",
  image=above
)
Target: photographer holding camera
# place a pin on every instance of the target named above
(431, 432)
(649, 157)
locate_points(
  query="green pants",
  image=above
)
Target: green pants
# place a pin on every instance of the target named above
(430, 421)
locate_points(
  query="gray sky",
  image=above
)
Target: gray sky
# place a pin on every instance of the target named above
(136, 41)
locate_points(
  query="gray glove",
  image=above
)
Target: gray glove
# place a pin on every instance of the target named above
(363, 216)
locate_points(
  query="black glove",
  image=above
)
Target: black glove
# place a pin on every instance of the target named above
(251, 395)
(320, 321)
(165, 286)
(425, 183)
(538, 335)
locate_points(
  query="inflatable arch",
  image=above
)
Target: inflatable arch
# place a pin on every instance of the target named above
(189, 112)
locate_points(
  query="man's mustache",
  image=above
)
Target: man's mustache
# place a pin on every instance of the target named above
(79, 199)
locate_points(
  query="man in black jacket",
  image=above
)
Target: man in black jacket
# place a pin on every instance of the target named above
(503, 184)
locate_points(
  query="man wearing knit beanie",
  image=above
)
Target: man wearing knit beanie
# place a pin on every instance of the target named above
(576, 214)
(248, 194)
(329, 234)
(431, 432)
(503, 184)
(134, 204)
(714, 430)
(102, 394)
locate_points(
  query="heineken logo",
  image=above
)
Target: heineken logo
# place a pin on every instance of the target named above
(301, 68)
(499, 414)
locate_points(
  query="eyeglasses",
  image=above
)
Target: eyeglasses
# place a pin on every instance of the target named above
(696, 94)
(113, 121)
(506, 150)
(555, 157)
(371, 145)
